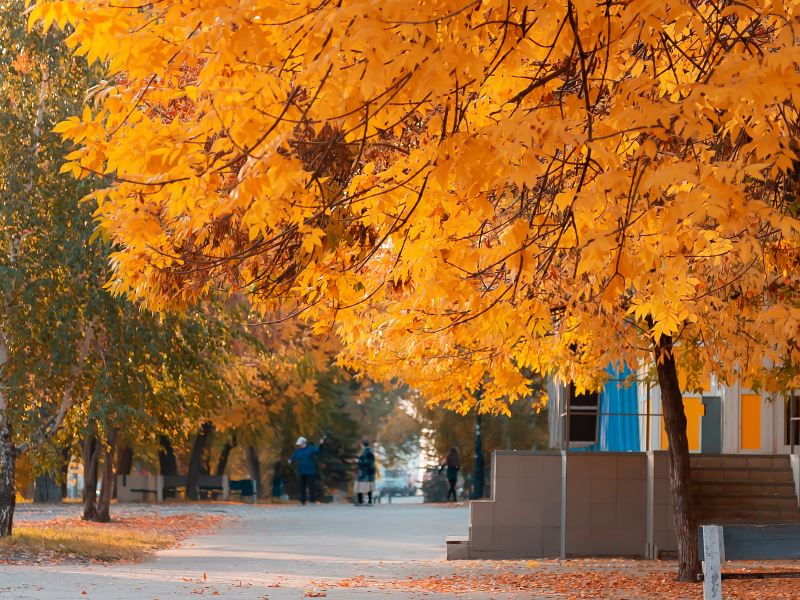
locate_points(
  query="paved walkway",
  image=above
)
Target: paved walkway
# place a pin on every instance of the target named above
(274, 552)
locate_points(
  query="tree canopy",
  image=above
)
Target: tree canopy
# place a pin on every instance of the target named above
(508, 181)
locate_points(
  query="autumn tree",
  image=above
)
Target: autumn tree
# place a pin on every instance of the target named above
(465, 192)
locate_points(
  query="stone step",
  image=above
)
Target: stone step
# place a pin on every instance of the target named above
(743, 486)
(740, 461)
(457, 547)
(710, 474)
(776, 502)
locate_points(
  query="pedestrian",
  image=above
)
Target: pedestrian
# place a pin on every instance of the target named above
(365, 483)
(303, 457)
(453, 465)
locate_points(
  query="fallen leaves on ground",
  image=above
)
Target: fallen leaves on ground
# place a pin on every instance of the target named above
(127, 538)
(596, 579)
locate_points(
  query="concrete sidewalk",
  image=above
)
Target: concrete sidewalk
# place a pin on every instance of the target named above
(265, 551)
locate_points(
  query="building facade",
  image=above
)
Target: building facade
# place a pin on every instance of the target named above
(626, 417)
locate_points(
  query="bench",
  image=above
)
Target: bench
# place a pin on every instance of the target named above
(205, 483)
(719, 543)
(247, 488)
(133, 488)
(171, 483)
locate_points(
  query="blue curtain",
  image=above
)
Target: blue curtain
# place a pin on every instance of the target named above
(617, 433)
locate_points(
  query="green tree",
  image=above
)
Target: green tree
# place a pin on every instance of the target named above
(70, 353)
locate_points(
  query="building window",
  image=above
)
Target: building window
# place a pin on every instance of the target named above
(583, 412)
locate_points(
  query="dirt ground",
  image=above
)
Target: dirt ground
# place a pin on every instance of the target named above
(342, 552)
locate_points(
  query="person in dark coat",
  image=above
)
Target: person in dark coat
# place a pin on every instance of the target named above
(303, 458)
(453, 465)
(365, 483)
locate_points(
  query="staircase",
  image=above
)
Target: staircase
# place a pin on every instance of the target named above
(743, 489)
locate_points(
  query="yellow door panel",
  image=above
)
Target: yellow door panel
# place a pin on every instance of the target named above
(694, 409)
(751, 422)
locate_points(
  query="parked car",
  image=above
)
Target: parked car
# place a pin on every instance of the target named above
(396, 482)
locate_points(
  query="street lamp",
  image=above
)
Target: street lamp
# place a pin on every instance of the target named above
(477, 477)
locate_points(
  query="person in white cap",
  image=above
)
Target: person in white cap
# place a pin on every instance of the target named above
(303, 457)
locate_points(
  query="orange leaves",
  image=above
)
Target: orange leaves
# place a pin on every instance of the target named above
(581, 579)
(58, 12)
(457, 196)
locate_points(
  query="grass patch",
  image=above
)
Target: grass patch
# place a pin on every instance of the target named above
(123, 540)
(67, 542)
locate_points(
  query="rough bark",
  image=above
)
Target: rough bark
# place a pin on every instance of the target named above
(103, 513)
(124, 464)
(196, 460)
(46, 488)
(222, 463)
(254, 469)
(66, 456)
(8, 492)
(124, 460)
(167, 462)
(679, 468)
(91, 456)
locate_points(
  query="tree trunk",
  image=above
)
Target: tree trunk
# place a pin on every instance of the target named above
(124, 464)
(91, 455)
(66, 456)
(222, 463)
(679, 468)
(47, 488)
(103, 514)
(167, 463)
(254, 469)
(196, 460)
(8, 492)
(124, 460)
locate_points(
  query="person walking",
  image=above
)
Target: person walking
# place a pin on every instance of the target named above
(453, 465)
(303, 457)
(365, 483)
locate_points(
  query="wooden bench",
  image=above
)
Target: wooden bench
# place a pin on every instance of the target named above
(719, 543)
(207, 483)
(214, 483)
(246, 488)
(171, 483)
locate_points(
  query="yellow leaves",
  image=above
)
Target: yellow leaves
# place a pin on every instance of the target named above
(650, 149)
(312, 239)
(516, 235)
(383, 178)
(58, 12)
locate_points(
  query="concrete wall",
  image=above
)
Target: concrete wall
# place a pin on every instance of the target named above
(664, 540)
(548, 504)
(523, 519)
(605, 513)
(606, 504)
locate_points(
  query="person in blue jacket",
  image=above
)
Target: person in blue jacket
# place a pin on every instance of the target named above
(303, 458)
